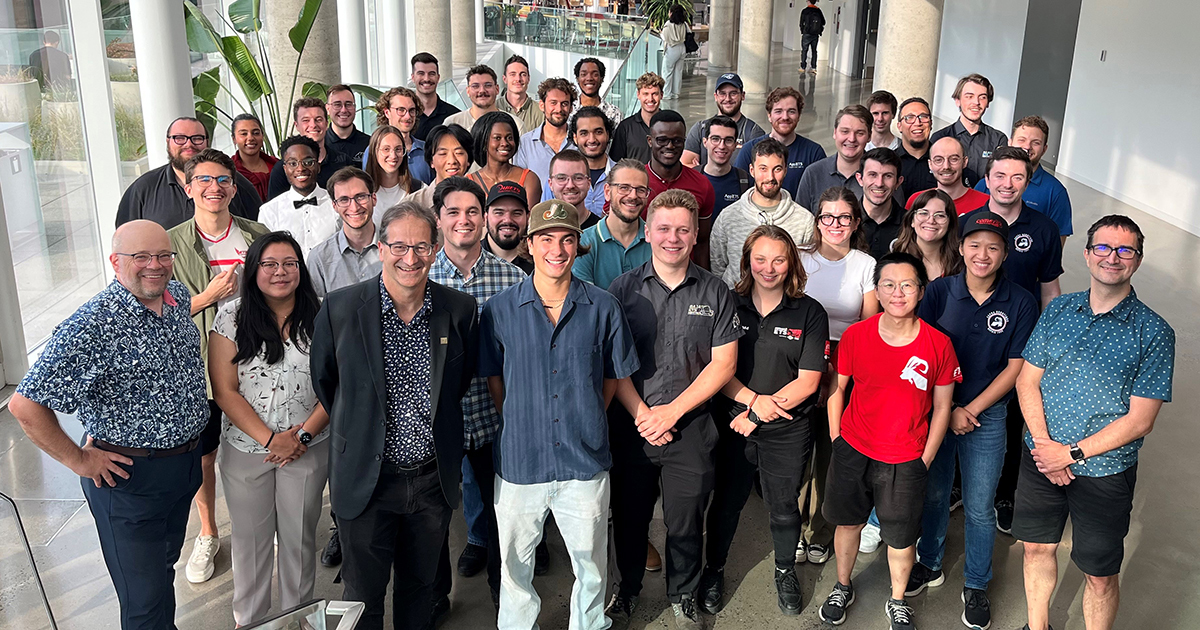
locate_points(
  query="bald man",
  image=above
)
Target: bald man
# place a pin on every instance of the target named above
(128, 364)
(949, 164)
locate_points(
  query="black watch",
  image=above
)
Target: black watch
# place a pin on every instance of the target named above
(753, 417)
(1077, 454)
(304, 436)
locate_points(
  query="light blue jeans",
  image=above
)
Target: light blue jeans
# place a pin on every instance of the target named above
(580, 509)
(980, 455)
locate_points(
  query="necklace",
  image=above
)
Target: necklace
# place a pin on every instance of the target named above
(553, 303)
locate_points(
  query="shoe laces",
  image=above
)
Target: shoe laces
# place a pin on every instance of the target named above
(1004, 503)
(901, 612)
(621, 603)
(788, 582)
(687, 606)
(977, 599)
(205, 545)
(838, 597)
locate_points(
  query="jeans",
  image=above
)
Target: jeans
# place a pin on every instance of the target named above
(1007, 489)
(479, 462)
(581, 510)
(472, 506)
(980, 455)
(808, 43)
(673, 70)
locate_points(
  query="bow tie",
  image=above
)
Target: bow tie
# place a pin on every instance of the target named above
(311, 201)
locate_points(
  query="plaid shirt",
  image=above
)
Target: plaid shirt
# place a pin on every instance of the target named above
(489, 275)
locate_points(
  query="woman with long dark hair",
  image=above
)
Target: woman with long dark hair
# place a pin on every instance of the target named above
(929, 231)
(497, 139)
(769, 401)
(674, 35)
(387, 164)
(276, 457)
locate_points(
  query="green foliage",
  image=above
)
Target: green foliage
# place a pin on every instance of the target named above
(131, 134)
(658, 11)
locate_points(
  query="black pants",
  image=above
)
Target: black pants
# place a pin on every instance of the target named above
(1006, 490)
(485, 477)
(398, 533)
(684, 469)
(808, 43)
(141, 524)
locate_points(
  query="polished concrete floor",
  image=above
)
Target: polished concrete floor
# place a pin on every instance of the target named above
(1159, 578)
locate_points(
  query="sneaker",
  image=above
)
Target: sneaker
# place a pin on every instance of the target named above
(1004, 516)
(977, 610)
(473, 560)
(813, 72)
(620, 610)
(541, 559)
(802, 70)
(955, 498)
(818, 554)
(439, 610)
(869, 541)
(201, 565)
(712, 589)
(900, 615)
(653, 560)
(801, 552)
(921, 577)
(787, 586)
(834, 609)
(686, 615)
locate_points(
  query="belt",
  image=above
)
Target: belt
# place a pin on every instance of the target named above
(186, 447)
(415, 470)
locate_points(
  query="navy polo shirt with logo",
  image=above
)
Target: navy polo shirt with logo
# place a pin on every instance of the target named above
(800, 154)
(1034, 249)
(792, 337)
(985, 336)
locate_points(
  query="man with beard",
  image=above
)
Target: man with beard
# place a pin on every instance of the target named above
(570, 182)
(851, 129)
(720, 141)
(1045, 193)
(538, 146)
(159, 195)
(947, 163)
(767, 203)
(973, 95)
(629, 140)
(590, 130)
(432, 110)
(515, 100)
(618, 242)
(589, 76)
(507, 220)
(879, 180)
(914, 123)
(342, 136)
(729, 96)
(482, 90)
(310, 119)
(668, 172)
(784, 106)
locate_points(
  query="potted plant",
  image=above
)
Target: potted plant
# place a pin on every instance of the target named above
(59, 101)
(20, 96)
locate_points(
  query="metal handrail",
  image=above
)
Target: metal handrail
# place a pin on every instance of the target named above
(32, 563)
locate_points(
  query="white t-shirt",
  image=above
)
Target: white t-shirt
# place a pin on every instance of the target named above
(224, 251)
(839, 286)
(309, 224)
(386, 198)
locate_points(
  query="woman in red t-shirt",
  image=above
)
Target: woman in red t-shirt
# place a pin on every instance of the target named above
(885, 438)
(250, 159)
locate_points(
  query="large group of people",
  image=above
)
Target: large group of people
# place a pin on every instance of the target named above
(535, 308)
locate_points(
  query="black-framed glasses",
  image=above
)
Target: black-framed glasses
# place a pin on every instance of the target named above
(224, 181)
(306, 163)
(271, 266)
(728, 141)
(344, 202)
(142, 259)
(182, 139)
(1124, 253)
(400, 250)
(625, 189)
(844, 220)
(912, 118)
(664, 141)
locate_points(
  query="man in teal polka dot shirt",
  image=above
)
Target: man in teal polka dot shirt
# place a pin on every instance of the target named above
(1098, 368)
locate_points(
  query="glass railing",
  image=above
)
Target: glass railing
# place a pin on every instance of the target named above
(645, 56)
(569, 30)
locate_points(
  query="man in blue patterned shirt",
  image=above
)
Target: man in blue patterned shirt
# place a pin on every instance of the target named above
(462, 265)
(128, 363)
(1098, 369)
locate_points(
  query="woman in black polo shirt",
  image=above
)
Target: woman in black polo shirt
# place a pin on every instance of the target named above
(781, 359)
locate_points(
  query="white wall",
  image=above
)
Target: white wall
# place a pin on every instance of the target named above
(1127, 129)
(984, 36)
(841, 31)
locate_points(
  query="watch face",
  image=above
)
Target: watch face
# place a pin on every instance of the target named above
(305, 437)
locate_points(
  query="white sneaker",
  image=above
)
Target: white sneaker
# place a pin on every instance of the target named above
(801, 552)
(870, 539)
(201, 565)
(813, 71)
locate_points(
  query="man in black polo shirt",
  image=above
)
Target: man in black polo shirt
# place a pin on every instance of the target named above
(685, 327)
(973, 95)
(312, 120)
(914, 122)
(629, 140)
(342, 136)
(425, 76)
(880, 179)
(158, 195)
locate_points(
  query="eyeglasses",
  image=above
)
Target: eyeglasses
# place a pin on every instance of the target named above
(887, 287)
(341, 105)
(400, 250)
(344, 202)
(844, 220)
(271, 266)
(224, 181)
(561, 179)
(481, 86)
(1124, 253)
(143, 260)
(306, 163)
(726, 140)
(405, 111)
(937, 217)
(182, 139)
(912, 118)
(625, 189)
(954, 160)
(664, 141)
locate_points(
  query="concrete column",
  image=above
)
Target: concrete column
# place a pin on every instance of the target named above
(321, 53)
(754, 46)
(389, 19)
(906, 53)
(160, 43)
(721, 39)
(352, 40)
(431, 25)
(462, 15)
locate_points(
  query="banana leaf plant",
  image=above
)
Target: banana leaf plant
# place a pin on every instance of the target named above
(659, 11)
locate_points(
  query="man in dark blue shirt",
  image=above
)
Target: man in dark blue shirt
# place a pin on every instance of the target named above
(720, 141)
(784, 106)
(553, 349)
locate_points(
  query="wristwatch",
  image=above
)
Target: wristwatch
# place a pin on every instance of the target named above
(1077, 453)
(304, 436)
(753, 417)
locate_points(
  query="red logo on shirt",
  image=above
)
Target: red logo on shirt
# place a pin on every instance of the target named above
(792, 334)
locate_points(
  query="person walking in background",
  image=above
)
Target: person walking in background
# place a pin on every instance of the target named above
(276, 457)
(674, 34)
(250, 159)
(812, 24)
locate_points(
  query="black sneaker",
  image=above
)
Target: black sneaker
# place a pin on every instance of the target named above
(440, 608)
(687, 617)
(977, 610)
(472, 560)
(834, 609)
(1026, 627)
(1004, 516)
(921, 577)
(620, 610)
(900, 615)
(712, 589)
(332, 556)
(955, 498)
(541, 559)
(788, 588)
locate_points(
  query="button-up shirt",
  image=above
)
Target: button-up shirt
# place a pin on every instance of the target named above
(407, 360)
(535, 154)
(612, 111)
(554, 425)
(334, 264)
(1046, 195)
(133, 377)
(801, 154)
(158, 196)
(488, 276)
(1034, 249)
(521, 262)
(608, 258)
(1094, 363)
(978, 147)
(310, 224)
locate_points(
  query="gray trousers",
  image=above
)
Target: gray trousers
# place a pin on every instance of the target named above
(265, 500)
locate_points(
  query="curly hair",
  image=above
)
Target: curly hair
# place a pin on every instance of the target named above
(385, 102)
(557, 83)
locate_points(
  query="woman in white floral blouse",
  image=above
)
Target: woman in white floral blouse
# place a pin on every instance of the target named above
(275, 472)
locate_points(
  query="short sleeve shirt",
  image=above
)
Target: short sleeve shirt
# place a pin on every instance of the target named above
(887, 418)
(881, 236)
(629, 139)
(819, 177)
(727, 188)
(802, 153)
(608, 258)
(689, 179)
(1094, 363)
(1046, 195)
(1034, 249)
(773, 350)
(978, 147)
(747, 130)
(839, 285)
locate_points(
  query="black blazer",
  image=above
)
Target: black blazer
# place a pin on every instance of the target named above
(348, 376)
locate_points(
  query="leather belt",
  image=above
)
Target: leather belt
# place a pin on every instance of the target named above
(186, 447)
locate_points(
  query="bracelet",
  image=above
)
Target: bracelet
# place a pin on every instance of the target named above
(752, 401)
(268, 444)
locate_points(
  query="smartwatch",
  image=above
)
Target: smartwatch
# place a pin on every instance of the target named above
(1077, 453)
(304, 436)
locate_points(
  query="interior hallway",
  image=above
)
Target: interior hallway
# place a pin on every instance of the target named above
(1160, 575)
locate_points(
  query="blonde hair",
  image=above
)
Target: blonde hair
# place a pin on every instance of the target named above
(675, 198)
(650, 79)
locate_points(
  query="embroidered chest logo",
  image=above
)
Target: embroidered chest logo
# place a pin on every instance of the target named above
(1022, 242)
(791, 334)
(997, 321)
(916, 371)
(701, 310)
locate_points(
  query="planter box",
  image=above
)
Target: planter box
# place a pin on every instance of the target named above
(127, 94)
(120, 66)
(19, 101)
